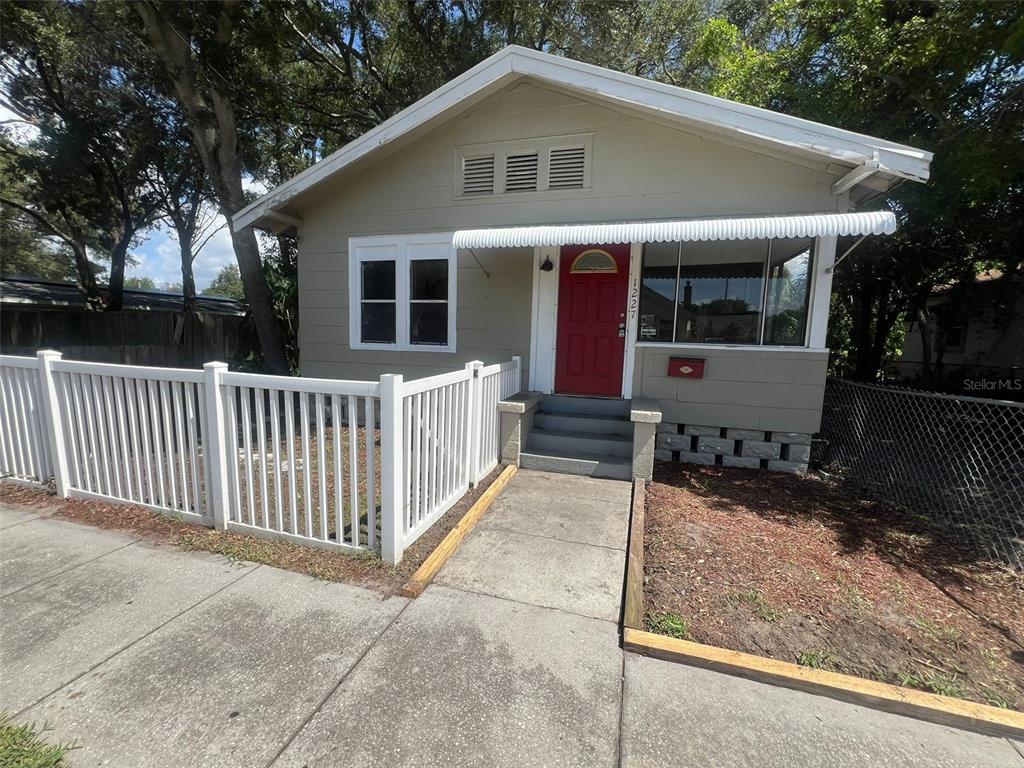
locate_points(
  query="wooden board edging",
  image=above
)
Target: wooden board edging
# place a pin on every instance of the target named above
(449, 544)
(943, 710)
(633, 602)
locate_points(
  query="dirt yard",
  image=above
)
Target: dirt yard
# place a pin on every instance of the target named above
(365, 570)
(795, 569)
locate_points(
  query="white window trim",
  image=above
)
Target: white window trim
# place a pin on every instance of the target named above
(402, 260)
(543, 146)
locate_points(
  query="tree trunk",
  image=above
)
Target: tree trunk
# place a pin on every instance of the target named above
(212, 124)
(86, 279)
(924, 325)
(188, 277)
(863, 307)
(115, 296)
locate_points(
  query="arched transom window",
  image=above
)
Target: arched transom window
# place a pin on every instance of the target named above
(595, 260)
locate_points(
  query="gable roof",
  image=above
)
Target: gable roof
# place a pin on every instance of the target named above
(862, 155)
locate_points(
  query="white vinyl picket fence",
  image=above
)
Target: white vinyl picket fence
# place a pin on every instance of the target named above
(450, 429)
(133, 434)
(25, 451)
(354, 465)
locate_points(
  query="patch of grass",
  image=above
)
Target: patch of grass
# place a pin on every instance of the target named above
(851, 592)
(995, 698)
(23, 746)
(237, 549)
(671, 624)
(949, 635)
(942, 684)
(320, 564)
(754, 598)
(816, 659)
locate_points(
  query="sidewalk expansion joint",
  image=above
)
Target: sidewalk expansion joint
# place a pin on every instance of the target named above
(70, 568)
(529, 605)
(134, 642)
(369, 647)
(498, 527)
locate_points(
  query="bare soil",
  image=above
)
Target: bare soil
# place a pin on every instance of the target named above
(797, 569)
(365, 570)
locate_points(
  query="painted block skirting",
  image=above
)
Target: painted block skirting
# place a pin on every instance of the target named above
(729, 447)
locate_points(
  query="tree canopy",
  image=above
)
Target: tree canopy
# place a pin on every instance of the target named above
(159, 111)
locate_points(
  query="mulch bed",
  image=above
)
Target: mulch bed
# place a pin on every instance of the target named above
(365, 570)
(798, 569)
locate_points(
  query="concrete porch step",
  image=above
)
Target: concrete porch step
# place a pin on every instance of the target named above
(579, 443)
(586, 406)
(591, 425)
(613, 467)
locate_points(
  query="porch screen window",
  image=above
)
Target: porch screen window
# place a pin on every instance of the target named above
(403, 293)
(788, 292)
(725, 292)
(658, 291)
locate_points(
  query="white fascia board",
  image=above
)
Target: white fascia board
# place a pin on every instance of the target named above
(680, 104)
(731, 116)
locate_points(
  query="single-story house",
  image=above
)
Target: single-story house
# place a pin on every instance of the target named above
(627, 238)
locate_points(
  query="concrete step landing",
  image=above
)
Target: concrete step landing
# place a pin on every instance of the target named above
(586, 436)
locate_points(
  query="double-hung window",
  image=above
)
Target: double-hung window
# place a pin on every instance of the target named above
(402, 292)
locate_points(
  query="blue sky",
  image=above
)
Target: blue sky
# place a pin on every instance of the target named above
(158, 257)
(157, 253)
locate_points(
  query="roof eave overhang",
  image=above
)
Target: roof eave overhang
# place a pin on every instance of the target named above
(667, 101)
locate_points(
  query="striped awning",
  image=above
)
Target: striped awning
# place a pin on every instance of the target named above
(762, 227)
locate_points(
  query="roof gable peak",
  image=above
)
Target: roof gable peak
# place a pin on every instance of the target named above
(668, 102)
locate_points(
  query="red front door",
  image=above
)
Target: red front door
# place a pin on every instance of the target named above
(592, 287)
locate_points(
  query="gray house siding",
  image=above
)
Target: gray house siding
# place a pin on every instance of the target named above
(492, 318)
(639, 170)
(770, 390)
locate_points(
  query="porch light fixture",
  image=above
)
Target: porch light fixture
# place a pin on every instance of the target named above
(547, 266)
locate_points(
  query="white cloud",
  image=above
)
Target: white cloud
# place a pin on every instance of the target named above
(158, 257)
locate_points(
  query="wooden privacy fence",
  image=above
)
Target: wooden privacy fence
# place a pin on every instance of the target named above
(352, 465)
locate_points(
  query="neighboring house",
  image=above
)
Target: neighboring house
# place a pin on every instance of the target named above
(981, 331)
(599, 225)
(151, 329)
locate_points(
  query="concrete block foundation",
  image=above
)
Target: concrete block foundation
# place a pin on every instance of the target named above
(707, 445)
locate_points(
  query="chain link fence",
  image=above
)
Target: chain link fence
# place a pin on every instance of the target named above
(958, 461)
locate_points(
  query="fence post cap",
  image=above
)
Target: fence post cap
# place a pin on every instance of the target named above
(214, 365)
(48, 353)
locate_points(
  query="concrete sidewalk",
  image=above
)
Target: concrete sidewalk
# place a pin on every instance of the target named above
(151, 656)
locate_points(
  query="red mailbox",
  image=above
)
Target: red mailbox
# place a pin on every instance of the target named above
(686, 367)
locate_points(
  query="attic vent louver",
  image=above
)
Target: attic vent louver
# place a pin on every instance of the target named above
(521, 172)
(566, 168)
(478, 175)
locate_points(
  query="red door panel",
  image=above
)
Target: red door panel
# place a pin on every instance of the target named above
(591, 305)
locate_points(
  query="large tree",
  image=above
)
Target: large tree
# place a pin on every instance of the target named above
(200, 50)
(87, 163)
(945, 76)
